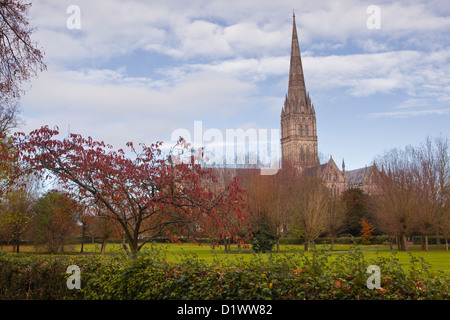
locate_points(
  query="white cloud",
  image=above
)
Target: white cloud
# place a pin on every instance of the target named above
(410, 113)
(213, 29)
(367, 74)
(96, 101)
(222, 54)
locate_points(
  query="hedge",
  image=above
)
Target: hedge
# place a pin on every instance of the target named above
(431, 240)
(382, 239)
(291, 275)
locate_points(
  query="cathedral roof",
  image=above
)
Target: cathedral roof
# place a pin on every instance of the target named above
(315, 171)
(319, 170)
(357, 176)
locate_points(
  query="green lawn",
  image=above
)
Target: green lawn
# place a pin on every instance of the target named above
(437, 257)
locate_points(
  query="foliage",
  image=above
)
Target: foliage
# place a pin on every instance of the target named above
(15, 214)
(292, 275)
(366, 231)
(263, 239)
(55, 214)
(356, 208)
(7, 163)
(147, 194)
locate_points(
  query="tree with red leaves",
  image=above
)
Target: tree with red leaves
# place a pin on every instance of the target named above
(145, 193)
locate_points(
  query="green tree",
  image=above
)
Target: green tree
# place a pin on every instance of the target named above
(356, 208)
(55, 215)
(15, 215)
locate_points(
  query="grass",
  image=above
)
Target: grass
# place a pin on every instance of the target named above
(437, 257)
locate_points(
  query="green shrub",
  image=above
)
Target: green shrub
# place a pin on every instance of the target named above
(263, 239)
(291, 275)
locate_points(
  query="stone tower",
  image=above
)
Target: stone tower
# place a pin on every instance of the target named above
(298, 117)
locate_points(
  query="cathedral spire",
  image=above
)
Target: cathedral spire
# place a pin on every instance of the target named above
(296, 91)
(298, 117)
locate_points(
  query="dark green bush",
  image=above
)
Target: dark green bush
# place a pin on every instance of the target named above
(263, 239)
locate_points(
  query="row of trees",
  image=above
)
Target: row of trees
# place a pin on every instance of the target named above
(151, 196)
(414, 197)
(51, 221)
(294, 205)
(411, 197)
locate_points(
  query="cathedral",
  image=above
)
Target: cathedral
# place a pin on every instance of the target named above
(299, 143)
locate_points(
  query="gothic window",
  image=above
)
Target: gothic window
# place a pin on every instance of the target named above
(301, 131)
(307, 130)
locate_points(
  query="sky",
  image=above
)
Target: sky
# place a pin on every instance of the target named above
(139, 70)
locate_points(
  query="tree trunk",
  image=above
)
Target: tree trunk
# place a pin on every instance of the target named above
(17, 244)
(83, 232)
(306, 245)
(225, 243)
(125, 247)
(102, 251)
(332, 243)
(446, 243)
(402, 243)
(278, 239)
(425, 242)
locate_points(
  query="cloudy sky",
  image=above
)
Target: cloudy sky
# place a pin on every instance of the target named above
(139, 70)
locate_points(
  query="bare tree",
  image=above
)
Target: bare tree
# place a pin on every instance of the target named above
(310, 205)
(9, 115)
(102, 228)
(336, 215)
(20, 57)
(443, 168)
(269, 198)
(425, 168)
(396, 204)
